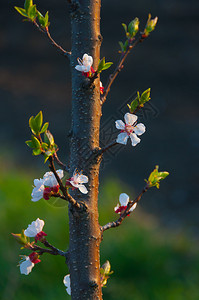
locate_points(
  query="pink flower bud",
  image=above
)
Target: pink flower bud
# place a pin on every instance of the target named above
(46, 193)
(34, 258)
(40, 236)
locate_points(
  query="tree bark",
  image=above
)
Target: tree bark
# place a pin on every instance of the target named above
(85, 234)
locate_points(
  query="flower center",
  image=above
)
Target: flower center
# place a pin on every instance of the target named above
(129, 129)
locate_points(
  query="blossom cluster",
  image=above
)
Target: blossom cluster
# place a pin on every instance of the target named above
(47, 186)
(33, 230)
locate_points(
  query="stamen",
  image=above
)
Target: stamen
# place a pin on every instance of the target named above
(80, 62)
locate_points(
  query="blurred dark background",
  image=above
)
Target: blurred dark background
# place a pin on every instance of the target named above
(34, 77)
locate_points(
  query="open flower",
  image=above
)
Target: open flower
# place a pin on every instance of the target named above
(124, 200)
(85, 65)
(66, 282)
(35, 230)
(76, 181)
(44, 188)
(28, 263)
(50, 180)
(38, 190)
(130, 129)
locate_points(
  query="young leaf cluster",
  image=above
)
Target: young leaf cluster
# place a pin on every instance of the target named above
(150, 25)
(48, 147)
(31, 13)
(103, 65)
(21, 238)
(130, 31)
(139, 101)
(155, 177)
(105, 272)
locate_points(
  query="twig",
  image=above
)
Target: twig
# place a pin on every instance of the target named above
(127, 211)
(46, 31)
(64, 52)
(102, 150)
(58, 161)
(52, 250)
(119, 67)
(67, 196)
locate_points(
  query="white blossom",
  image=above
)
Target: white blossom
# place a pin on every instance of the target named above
(85, 64)
(50, 180)
(38, 190)
(34, 228)
(124, 200)
(26, 266)
(77, 181)
(66, 282)
(129, 129)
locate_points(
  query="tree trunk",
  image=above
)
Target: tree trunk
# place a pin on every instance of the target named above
(85, 235)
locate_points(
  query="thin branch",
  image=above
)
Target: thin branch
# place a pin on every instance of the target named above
(67, 196)
(102, 150)
(58, 161)
(53, 250)
(127, 211)
(46, 31)
(119, 67)
(64, 52)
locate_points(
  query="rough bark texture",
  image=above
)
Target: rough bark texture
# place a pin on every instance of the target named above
(85, 235)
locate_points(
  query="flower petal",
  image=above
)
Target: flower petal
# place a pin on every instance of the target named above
(130, 119)
(26, 266)
(82, 189)
(139, 129)
(133, 207)
(82, 179)
(116, 207)
(120, 124)
(122, 138)
(124, 199)
(34, 228)
(80, 68)
(66, 280)
(134, 139)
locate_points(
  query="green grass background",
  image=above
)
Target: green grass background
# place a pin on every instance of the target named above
(149, 262)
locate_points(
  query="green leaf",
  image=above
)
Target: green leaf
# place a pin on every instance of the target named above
(30, 144)
(48, 138)
(21, 11)
(107, 65)
(41, 19)
(32, 125)
(21, 238)
(35, 142)
(44, 146)
(125, 27)
(133, 27)
(145, 96)
(46, 24)
(126, 45)
(46, 156)
(32, 12)
(155, 177)
(36, 152)
(28, 4)
(38, 121)
(101, 64)
(121, 46)
(44, 128)
(150, 25)
(134, 104)
(107, 267)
